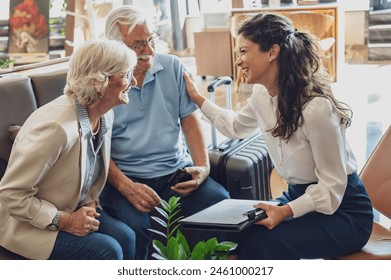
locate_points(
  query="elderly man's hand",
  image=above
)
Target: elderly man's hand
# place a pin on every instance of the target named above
(199, 175)
(141, 196)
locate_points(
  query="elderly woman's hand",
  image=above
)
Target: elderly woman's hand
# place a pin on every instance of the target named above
(81, 222)
(199, 175)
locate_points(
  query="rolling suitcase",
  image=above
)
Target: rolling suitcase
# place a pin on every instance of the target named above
(243, 166)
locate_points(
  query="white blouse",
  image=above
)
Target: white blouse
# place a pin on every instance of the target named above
(316, 152)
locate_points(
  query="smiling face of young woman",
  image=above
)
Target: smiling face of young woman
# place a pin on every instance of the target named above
(258, 67)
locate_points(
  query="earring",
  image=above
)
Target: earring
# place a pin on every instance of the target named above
(100, 95)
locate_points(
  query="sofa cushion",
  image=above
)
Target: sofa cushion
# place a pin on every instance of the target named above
(48, 86)
(17, 102)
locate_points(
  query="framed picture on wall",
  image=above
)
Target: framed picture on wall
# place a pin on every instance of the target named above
(28, 34)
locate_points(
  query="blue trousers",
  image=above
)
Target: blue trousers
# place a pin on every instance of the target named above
(313, 235)
(113, 241)
(208, 193)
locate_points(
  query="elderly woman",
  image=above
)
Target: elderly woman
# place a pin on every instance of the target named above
(59, 163)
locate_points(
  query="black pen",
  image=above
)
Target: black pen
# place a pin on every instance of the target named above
(252, 213)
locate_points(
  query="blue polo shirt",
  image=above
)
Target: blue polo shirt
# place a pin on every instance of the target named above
(147, 141)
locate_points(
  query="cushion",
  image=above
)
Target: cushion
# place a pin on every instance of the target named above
(48, 86)
(17, 102)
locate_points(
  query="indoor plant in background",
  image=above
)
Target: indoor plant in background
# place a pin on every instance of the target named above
(177, 247)
(5, 63)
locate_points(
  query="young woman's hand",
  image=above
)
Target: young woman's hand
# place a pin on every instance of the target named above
(275, 214)
(192, 90)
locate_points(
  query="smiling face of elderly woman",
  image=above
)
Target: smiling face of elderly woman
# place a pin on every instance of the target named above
(94, 69)
(118, 87)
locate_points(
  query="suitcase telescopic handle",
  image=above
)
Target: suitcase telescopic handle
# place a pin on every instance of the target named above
(218, 82)
(226, 80)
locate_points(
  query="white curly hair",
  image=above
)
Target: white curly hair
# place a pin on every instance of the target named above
(92, 64)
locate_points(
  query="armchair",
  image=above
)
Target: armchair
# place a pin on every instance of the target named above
(376, 175)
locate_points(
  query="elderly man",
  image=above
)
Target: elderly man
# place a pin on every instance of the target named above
(154, 135)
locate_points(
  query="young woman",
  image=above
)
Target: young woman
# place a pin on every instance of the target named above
(326, 211)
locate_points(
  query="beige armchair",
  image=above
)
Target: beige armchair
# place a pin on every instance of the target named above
(376, 175)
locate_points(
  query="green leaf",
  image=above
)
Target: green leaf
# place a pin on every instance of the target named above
(173, 203)
(175, 221)
(226, 246)
(162, 212)
(174, 214)
(174, 200)
(160, 248)
(182, 254)
(5, 63)
(209, 247)
(172, 249)
(173, 211)
(173, 231)
(198, 251)
(159, 221)
(182, 240)
(165, 205)
(158, 232)
(158, 257)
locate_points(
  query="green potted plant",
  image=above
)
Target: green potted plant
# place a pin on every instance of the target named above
(176, 246)
(5, 63)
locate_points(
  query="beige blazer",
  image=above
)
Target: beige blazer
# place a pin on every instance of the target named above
(45, 174)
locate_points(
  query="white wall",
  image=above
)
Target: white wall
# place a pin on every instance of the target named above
(355, 5)
(4, 11)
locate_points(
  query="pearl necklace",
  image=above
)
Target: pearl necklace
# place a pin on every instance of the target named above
(94, 133)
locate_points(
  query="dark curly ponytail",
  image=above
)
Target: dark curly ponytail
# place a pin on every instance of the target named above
(301, 74)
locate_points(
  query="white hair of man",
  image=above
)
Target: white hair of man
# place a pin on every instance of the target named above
(127, 15)
(92, 64)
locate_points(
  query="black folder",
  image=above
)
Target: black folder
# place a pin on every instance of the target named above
(227, 215)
